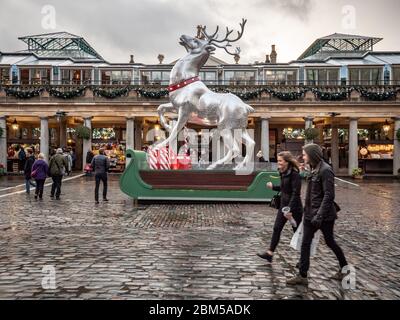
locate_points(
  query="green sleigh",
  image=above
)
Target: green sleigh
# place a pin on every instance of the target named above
(141, 183)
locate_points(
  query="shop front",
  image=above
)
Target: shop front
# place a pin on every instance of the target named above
(376, 157)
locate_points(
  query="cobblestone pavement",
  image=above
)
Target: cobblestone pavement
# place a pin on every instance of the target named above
(203, 251)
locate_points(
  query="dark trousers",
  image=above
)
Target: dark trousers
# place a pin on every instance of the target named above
(100, 177)
(28, 184)
(56, 186)
(280, 222)
(39, 187)
(308, 235)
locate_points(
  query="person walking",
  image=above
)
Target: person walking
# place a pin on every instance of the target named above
(28, 170)
(68, 158)
(320, 212)
(88, 167)
(100, 165)
(57, 168)
(40, 170)
(290, 189)
(21, 158)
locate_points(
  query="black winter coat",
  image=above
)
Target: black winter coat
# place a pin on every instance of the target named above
(290, 190)
(28, 167)
(320, 195)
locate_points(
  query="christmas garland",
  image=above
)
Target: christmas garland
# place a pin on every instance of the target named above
(377, 96)
(332, 96)
(83, 132)
(111, 94)
(244, 94)
(287, 96)
(153, 94)
(255, 94)
(23, 94)
(66, 95)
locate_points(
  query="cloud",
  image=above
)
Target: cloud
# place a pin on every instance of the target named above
(119, 28)
(298, 8)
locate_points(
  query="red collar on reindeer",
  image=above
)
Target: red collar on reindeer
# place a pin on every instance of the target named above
(182, 84)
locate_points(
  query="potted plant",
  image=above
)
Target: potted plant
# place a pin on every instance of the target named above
(398, 134)
(357, 173)
(311, 133)
(83, 132)
(1, 169)
(1, 132)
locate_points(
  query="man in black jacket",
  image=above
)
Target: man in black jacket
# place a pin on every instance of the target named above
(100, 165)
(28, 171)
(320, 212)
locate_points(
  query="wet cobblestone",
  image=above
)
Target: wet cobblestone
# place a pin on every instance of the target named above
(203, 251)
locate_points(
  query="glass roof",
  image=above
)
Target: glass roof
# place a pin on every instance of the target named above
(61, 45)
(338, 42)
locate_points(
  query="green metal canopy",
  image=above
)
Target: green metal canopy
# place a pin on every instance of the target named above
(339, 42)
(61, 45)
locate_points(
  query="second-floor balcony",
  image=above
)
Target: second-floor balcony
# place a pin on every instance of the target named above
(254, 91)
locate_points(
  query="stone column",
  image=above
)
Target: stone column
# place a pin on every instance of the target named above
(308, 124)
(257, 138)
(138, 134)
(321, 135)
(3, 142)
(335, 149)
(396, 151)
(63, 132)
(87, 144)
(130, 135)
(353, 145)
(44, 137)
(265, 138)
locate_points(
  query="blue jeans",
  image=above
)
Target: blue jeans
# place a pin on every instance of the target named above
(28, 184)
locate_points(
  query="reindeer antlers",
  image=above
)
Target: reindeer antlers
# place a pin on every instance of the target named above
(212, 39)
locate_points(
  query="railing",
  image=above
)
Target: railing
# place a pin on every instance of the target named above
(234, 82)
(246, 91)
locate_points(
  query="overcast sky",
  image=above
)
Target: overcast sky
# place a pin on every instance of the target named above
(118, 28)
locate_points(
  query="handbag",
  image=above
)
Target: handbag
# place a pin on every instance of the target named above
(276, 201)
(34, 174)
(88, 167)
(297, 240)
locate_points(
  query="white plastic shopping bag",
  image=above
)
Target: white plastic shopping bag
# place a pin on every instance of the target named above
(297, 239)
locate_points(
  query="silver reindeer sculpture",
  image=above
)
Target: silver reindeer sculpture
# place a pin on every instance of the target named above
(195, 103)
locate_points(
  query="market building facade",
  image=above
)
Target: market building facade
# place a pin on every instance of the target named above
(340, 86)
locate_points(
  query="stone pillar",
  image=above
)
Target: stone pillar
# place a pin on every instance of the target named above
(257, 138)
(265, 138)
(87, 144)
(335, 149)
(3, 142)
(309, 121)
(396, 151)
(321, 135)
(353, 145)
(44, 137)
(130, 135)
(63, 132)
(138, 135)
